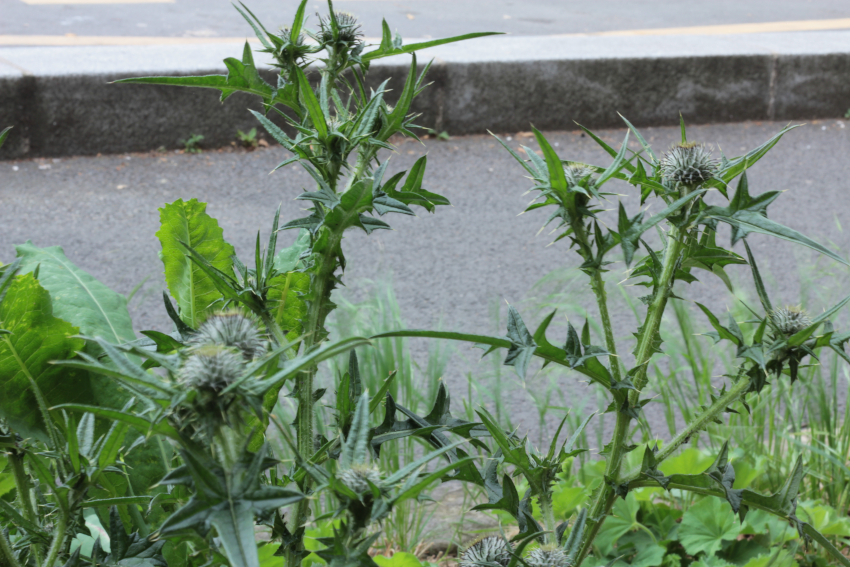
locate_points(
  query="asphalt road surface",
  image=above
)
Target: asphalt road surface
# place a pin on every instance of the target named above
(447, 268)
(54, 19)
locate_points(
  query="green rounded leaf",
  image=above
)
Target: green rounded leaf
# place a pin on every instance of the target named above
(706, 525)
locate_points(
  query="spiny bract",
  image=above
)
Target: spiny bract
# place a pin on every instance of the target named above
(486, 552)
(547, 556)
(688, 164)
(357, 476)
(349, 29)
(790, 319)
(231, 329)
(211, 368)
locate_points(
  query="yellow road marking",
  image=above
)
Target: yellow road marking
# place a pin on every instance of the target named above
(37, 2)
(728, 29)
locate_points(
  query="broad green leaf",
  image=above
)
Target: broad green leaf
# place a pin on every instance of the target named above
(77, 296)
(4, 134)
(777, 557)
(35, 337)
(98, 312)
(623, 520)
(398, 560)
(706, 525)
(187, 222)
(286, 301)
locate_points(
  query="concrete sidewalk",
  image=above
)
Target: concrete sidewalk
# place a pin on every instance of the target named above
(60, 102)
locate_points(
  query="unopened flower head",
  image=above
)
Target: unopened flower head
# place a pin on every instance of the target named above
(211, 368)
(547, 556)
(349, 29)
(688, 164)
(286, 35)
(358, 477)
(487, 551)
(790, 319)
(231, 329)
(576, 172)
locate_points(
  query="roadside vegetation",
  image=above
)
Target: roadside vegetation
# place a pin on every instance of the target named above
(282, 422)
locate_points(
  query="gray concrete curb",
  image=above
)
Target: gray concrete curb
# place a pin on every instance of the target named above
(60, 102)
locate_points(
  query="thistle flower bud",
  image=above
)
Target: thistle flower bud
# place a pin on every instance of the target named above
(575, 173)
(688, 164)
(231, 329)
(547, 556)
(487, 551)
(211, 369)
(790, 319)
(349, 29)
(357, 476)
(286, 35)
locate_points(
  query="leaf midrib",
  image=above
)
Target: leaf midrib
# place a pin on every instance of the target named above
(90, 294)
(187, 238)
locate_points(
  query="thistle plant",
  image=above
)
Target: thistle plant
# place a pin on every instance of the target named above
(770, 347)
(486, 551)
(172, 437)
(197, 400)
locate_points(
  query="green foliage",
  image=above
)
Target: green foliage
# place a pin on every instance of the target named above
(78, 297)
(209, 388)
(573, 190)
(187, 225)
(705, 527)
(192, 144)
(248, 139)
(206, 395)
(32, 337)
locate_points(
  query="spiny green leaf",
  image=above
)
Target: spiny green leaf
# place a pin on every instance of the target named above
(383, 51)
(746, 214)
(314, 108)
(522, 343)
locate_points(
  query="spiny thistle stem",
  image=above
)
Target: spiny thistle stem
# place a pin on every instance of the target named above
(598, 286)
(545, 501)
(58, 539)
(656, 311)
(22, 485)
(316, 315)
(738, 389)
(6, 551)
(605, 495)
